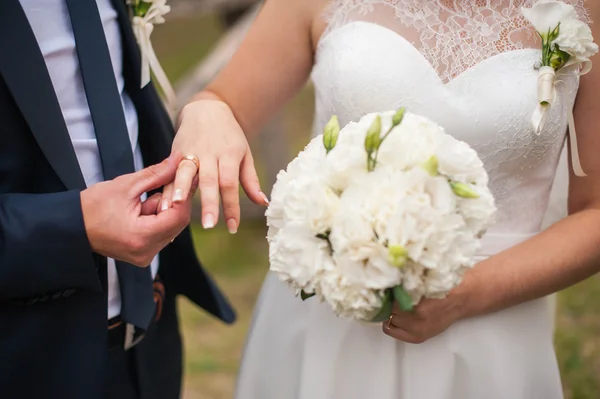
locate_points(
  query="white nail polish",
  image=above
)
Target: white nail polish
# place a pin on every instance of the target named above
(264, 197)
(178, 195)
(165, 205)
(209, 221)
(232, 226)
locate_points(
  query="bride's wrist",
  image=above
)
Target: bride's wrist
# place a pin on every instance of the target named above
(470, 301)
(199, 97)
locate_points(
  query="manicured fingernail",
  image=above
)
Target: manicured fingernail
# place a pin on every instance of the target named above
(165, 205)
(209, 221)
(265, 198)
(178, 195)
(232, 226)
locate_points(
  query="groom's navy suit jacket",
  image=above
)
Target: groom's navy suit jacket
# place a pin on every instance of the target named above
(53, 297)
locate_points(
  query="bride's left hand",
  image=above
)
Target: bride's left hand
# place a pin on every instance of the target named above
(428, 319)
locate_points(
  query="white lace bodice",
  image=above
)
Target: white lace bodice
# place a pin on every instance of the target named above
(466, 64)
(453, 35)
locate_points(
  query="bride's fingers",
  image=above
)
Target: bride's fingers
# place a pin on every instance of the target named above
(230, 192)
(182, 185)
(250, 182)
(166, 197)
(209, 192)
(399, 333)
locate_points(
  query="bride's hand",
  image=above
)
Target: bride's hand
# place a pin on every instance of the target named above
(209, 131)
(428, 319)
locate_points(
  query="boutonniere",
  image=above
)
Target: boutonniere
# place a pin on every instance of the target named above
(145, 14)
(566, 41)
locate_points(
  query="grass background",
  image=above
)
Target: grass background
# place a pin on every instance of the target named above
(239, 262)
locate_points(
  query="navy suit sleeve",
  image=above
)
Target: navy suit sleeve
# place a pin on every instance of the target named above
(44, 246)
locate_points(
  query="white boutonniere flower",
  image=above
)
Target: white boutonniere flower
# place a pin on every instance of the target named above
(566, 41)
(145, 14)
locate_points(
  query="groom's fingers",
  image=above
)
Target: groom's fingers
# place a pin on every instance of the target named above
(159, 229)
(151, 205)
(229, 177)
(151, 178)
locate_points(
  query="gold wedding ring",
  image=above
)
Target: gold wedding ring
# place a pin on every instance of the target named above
(193, 159)
(389, 322)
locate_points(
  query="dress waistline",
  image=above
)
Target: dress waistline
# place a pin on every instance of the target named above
(492, 243)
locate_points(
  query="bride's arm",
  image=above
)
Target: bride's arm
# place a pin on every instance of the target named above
(272, 64)
(564, 254)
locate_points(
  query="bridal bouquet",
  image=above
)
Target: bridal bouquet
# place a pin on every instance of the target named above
(388, 209)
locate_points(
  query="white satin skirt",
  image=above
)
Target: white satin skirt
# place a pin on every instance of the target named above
(300, 350)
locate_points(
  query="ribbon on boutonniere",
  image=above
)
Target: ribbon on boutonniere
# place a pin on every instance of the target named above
(145, 14)
(566, 41)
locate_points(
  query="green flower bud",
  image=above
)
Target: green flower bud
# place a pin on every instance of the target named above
(431, 166)
(397, 255)
(398, 116)
(331, 133)
(464, 190)
(554, 34)
(373, 139)
(559, 58)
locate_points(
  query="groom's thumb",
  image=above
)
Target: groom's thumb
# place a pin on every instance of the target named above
(153, 177)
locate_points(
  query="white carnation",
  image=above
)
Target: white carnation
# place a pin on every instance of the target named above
(575, 37)
(349, 234)
(297, 257)
(348, 301)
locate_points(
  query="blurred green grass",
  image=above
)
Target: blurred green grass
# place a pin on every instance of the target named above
(240, 262)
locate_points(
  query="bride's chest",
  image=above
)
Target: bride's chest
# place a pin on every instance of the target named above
(363, 68)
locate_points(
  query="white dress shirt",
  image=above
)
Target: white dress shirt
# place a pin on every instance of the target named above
(51, 25)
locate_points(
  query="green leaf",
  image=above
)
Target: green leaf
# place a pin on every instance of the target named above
(404, 300)
(386, 308)
(306, 296)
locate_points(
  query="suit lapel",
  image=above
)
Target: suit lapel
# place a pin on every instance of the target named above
(24, 70)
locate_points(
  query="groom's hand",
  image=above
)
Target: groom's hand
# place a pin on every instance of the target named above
(119, 225)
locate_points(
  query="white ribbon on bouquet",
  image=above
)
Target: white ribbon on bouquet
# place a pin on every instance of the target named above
(142, 28)
(546, 98)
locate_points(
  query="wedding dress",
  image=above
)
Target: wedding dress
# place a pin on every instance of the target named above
(469, 66)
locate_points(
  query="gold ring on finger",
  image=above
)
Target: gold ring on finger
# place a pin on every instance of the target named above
(193, 159)
(389, 322)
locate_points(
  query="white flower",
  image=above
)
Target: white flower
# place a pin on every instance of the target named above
(399, 224)
(297, 257)
(460, 162)
(478, 213)
(575, 37)
(546, 15)
(299, 195)
(348, 301)
(411, 143)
